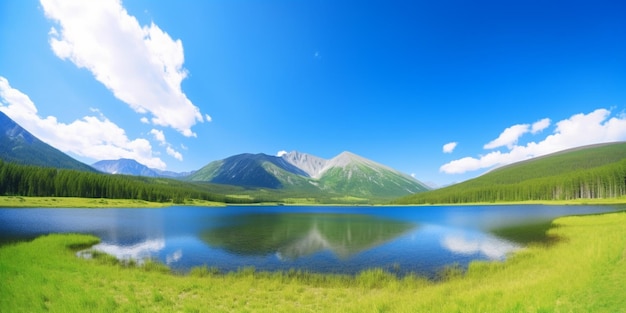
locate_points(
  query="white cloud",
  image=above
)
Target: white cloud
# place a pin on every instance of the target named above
(578, 130)
(170, 151)
(92, 137)
(208, 118)
(142, 66)
(508, 137)
(449, 147)
(158, 136)
(281, 153)
(540, 126)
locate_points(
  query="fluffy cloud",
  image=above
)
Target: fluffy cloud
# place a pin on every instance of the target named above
(281, 153)
(158, 136)
(508, 137)
(92, 136)
(449, 147)
(170, 151)
(578, 130)
(540, 126)
(142, 66)
(511, 135)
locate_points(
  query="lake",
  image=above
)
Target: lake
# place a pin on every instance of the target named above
(326, 239)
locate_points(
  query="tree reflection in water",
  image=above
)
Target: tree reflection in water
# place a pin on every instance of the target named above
(293, 235)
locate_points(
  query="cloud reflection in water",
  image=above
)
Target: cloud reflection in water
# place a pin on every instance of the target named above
(138, 251)
(492, 248)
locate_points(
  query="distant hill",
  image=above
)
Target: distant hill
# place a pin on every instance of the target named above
(132, 167)
(251, 170)
(345, 175)
(124, 166)
(595, 171)
(19, 146)
(351, 174)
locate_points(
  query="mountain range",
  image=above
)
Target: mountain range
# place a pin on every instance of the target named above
(346, 175)
(132, 167)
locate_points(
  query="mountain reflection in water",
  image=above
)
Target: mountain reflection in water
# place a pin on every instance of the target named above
(290, 236)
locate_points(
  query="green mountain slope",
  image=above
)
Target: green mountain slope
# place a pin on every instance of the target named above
(19, 146)
(597, 171)
(351, 174)
(251, 170)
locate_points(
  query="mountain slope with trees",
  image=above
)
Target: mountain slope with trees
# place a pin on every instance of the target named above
(35, 181)
(590, 172)
(19, 146)
(346, 175)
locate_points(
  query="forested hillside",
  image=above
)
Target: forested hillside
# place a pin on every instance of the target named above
(19, 146)
(590, 172)
(28, 180)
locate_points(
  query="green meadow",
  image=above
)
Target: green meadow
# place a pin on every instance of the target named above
(76, 202)
(583, 270)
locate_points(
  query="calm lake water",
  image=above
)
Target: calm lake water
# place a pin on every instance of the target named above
(319, 239)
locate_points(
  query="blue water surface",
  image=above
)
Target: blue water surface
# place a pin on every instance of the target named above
(326, 239)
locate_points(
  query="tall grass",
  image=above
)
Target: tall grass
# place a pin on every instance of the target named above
(584, 272)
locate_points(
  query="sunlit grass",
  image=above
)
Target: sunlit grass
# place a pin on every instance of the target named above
(300, 201)
(584, 271)
(238, 196)
(72, 202)
(198, 202)
(350, 199)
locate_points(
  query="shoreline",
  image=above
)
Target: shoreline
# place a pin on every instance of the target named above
(73, 202)
(19, 202)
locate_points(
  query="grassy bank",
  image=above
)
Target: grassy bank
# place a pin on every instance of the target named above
(584, 272)
(72, 202)
(598, 201)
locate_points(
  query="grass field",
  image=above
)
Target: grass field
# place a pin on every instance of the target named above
(69, 202)
(584, 271)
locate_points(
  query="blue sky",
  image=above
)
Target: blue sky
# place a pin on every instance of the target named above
(443, 90)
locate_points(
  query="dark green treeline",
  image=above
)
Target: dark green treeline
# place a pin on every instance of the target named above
(594, 173)
(604, 182)
(27, 180)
